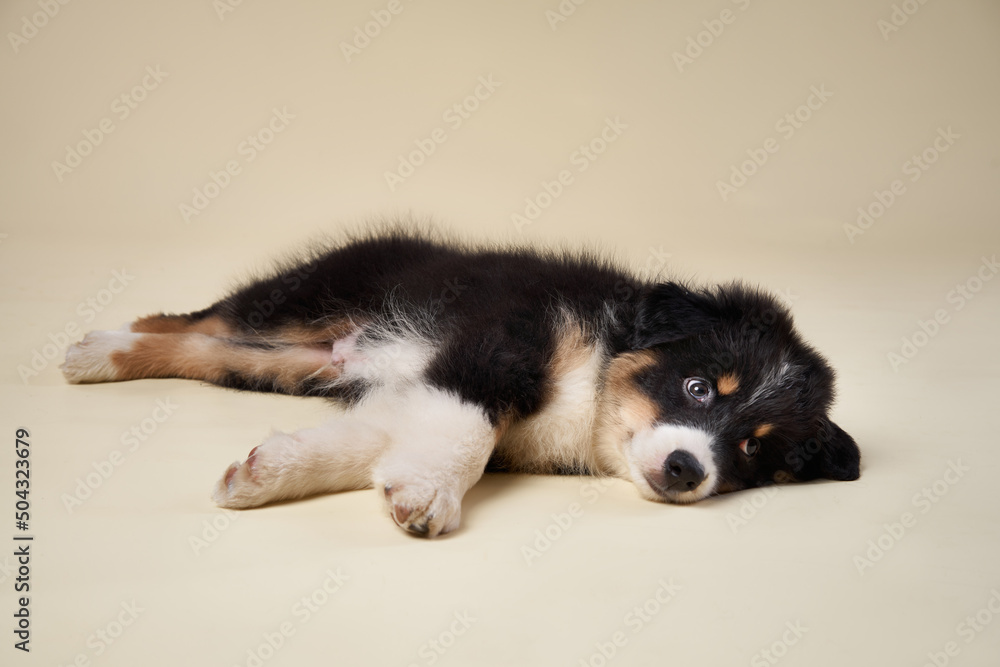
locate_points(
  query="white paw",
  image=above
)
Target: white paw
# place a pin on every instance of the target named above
(421, 508)
(268, 474)
(90, 359)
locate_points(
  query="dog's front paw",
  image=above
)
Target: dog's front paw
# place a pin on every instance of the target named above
(261, 479)
(422, 509)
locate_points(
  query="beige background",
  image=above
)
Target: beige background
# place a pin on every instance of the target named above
(211, 595)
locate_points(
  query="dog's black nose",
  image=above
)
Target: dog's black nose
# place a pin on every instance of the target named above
(682, 471)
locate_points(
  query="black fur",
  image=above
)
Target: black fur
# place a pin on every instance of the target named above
(495, 310)
(495, 314)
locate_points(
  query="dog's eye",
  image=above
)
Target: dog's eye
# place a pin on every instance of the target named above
(750, 446)
(700, 390)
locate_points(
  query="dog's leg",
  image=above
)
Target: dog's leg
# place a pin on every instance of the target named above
(111, 356)
(203, 322)
(422, 448)
(337, 456)
(290, 358)
(439, 449)
(217, 326)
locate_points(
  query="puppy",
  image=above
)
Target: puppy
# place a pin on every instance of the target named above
(452, 360)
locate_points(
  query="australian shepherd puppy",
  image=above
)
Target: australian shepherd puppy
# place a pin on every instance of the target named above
(453, 360)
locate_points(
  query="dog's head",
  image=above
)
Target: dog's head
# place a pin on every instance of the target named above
(718, 393)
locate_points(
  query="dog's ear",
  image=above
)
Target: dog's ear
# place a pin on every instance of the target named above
(831, 454)
(668, 312)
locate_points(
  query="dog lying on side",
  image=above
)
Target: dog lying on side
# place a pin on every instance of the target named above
(453, 360)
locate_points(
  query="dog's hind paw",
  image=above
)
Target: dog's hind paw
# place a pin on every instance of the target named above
(90, 360)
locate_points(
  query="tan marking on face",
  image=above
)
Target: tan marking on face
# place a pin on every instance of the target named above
(727, 384)
(763, 430)
(635, 410)
(624, 411)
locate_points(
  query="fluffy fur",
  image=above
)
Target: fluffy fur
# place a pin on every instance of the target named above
(452, 360)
